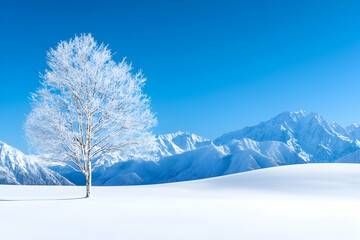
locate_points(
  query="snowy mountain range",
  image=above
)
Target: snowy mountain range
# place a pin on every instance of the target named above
(17, 168)
(289, 138)
(308, 134)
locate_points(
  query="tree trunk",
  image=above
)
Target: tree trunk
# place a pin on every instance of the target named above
(88, 184)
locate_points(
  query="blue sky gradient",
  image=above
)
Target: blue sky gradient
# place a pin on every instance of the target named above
(212, 66)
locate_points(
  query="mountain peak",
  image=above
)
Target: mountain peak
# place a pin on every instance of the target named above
(3, 144)
(181, 134)
(298, 115)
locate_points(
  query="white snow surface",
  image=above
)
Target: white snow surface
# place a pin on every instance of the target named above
(308, 201)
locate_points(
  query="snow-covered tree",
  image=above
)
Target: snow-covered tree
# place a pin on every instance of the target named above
(89, 107)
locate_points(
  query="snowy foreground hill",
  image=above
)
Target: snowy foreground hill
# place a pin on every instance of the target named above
(308, 201)
(17, 168)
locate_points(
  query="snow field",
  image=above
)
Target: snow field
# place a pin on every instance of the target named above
(312, 201)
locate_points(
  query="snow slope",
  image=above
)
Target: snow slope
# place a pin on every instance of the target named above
(308, 201)
(17, 168)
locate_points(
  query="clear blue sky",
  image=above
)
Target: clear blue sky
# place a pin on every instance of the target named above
(212, 66)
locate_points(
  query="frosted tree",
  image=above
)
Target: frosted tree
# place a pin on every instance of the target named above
(88, 107)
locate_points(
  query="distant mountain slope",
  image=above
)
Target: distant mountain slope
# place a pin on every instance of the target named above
(309, 134)
(350, 158)
(205, 162)
(17, 168)
(247, 154)
(354, 130)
